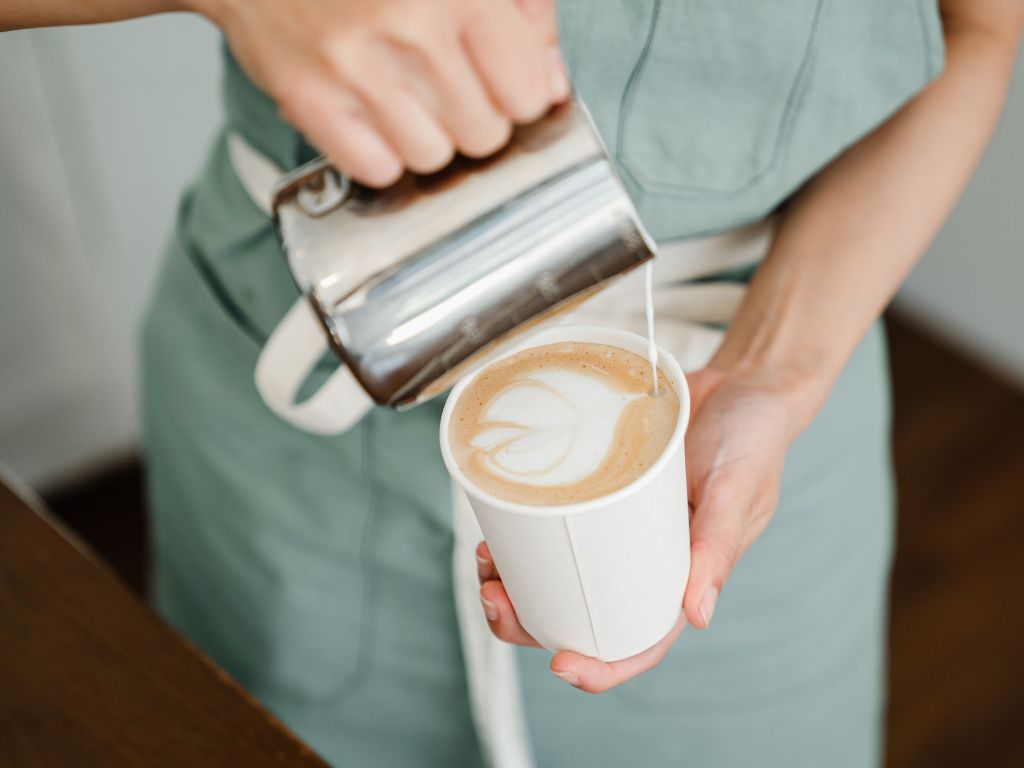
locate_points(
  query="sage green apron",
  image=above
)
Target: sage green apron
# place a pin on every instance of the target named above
(317, 570)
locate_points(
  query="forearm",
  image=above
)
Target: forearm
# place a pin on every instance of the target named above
(847, 241)
(24, 14)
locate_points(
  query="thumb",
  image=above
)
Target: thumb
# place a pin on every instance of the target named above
(717, 535)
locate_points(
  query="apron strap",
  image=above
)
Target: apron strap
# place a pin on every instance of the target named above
(285, 362)
(257, 173)
(687, 316)
(299, 341)
(493, 675)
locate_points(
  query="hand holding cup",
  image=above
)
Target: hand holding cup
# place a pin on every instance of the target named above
(739, 431)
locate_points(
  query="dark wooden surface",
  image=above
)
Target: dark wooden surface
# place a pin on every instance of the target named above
(956, 672)
(956, 666)
(89, 677)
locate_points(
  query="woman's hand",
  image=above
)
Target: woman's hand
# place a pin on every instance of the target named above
(389, 85)
(740, 428)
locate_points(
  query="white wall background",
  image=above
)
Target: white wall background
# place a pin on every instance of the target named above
(970, 285)
(101, 128)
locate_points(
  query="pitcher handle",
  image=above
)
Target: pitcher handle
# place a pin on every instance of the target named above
(289, 356)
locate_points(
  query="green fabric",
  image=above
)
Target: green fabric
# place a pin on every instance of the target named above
(317, 570)
(792, 671)
(715, 112)
(297, 562)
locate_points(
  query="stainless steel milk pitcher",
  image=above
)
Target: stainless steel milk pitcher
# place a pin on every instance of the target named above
(415, 283)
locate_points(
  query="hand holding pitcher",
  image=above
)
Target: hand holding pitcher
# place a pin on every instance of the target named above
(392, 85)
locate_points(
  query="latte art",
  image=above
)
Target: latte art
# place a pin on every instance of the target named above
(562, 423)
(551, 428)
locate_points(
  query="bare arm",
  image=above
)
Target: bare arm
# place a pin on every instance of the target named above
(851, 236)
(24, 14)
(844, 245)
(379, 86)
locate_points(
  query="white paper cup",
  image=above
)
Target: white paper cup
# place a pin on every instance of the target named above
(603, 577)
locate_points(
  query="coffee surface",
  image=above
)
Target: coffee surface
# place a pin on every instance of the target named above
(562, 423)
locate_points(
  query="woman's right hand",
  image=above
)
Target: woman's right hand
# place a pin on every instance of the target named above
(381, 86)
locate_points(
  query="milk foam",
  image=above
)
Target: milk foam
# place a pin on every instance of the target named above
(562, 423)
(551, 428)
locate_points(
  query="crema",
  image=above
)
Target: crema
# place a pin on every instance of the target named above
(562, 423)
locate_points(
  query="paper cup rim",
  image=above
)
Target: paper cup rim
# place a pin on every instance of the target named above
(566, 333)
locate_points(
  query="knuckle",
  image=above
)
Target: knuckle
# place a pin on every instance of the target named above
(503, 631)
(419, 30)
(472, 10)
(294, 97)
(724, 553)
(549, 10)
(763, 513)
(343, 55)
(343, 50)
(417, 25)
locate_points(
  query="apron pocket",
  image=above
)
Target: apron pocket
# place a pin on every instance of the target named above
(262, 531)
(710, 103)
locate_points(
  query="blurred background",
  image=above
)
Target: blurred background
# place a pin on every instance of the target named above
(102, 128)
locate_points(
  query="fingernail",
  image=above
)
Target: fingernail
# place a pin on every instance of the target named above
(707, 605)
(483, 562)
(558, 80)
(570, 677)
(490, 609)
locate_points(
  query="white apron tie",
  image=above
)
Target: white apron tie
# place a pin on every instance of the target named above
(686, 316)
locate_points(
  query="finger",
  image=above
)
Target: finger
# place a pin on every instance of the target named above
(421, 142)
(717, 538)
(543, 19)
(336, 122)
(464, 105)
(389, 87)
(596, 676)
(700, 384)
(501, 616)
(511, 61)
(485, 568)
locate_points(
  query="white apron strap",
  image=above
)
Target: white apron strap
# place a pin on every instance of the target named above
(299, 341)
(257, 173)
(492, 671)
(285, 362)
(686, 315)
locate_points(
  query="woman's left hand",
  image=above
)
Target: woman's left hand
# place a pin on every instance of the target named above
(740, 427)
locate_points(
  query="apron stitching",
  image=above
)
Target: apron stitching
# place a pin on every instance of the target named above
(629, 92)
(369, 597)
(217, 289)
(926, 39)
(229, 307)
(793, 98)
(364, 651)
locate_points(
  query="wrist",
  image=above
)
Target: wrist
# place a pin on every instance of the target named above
(800, 387)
